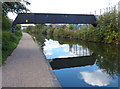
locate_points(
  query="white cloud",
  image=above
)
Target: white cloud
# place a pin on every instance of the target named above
(96, 78)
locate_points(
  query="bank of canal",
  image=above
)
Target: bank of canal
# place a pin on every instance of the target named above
(83, 64)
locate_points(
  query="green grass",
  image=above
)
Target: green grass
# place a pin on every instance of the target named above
(9, 43)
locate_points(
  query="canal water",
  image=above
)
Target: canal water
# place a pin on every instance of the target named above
(83, 64)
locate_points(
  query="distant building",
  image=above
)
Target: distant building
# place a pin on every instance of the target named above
(55, 25)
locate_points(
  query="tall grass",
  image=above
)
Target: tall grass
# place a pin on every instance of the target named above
(9, 40)
(9, 43)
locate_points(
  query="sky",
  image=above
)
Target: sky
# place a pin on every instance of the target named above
(67, 6)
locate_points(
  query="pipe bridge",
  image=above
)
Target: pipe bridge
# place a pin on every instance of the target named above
(50, 18)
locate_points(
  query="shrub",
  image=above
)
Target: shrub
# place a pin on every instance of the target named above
(6, 23)
(9, 43)
(71, 27)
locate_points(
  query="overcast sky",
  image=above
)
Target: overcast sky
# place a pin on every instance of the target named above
(68, 6)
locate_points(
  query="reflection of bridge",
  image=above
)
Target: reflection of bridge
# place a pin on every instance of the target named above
(42, 18)
(61, 63)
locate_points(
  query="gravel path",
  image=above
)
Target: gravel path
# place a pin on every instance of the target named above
(27, 67)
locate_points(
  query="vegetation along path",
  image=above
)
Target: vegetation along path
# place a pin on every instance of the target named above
(27, 67)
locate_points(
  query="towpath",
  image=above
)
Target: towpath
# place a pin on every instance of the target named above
(27, 67)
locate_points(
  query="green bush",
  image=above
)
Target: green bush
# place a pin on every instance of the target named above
(107, 28)
(71, 27)
(18, 27)
(6, 23)
(50, 32)
(9, 43)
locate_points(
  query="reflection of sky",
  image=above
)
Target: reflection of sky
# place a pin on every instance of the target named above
(87, 76)
(53, 49)
(96, 78)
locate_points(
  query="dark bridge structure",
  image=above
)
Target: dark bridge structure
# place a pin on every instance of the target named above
(61, 63)
(50, 18)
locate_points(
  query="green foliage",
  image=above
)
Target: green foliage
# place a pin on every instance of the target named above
(30, 29)
(50, 32)
(84, 28)
(16, 7)
(18, 27)
(9, 43)
(71, 27)
(6, 23)
(55, 33)
(107, 28)
(9, 40)
(39, 26)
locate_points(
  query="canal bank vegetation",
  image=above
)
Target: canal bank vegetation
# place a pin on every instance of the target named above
(9, 40)
(107, 30)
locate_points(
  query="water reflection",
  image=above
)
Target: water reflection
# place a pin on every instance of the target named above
(96, 78)
(79, 50)
(61, 63)
(98, 70)
(53, 49)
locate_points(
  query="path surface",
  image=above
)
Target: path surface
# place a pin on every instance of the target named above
(27, 67)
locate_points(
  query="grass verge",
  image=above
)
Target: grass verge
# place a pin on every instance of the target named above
(9, 43)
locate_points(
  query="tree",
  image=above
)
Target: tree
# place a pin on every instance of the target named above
(71, 27)
(16, 7)
(18, 27)
(84, 28)
(6, 22)
(40, 26)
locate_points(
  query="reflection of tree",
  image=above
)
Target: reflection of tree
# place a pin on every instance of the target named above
(79, 50)
(106, 55)
(74, 48)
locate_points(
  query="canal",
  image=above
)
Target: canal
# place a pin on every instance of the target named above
(82, 64)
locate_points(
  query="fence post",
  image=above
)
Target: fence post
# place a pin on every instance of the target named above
(115, 9)
(95, 12)
(107, 9)
(100, 11)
